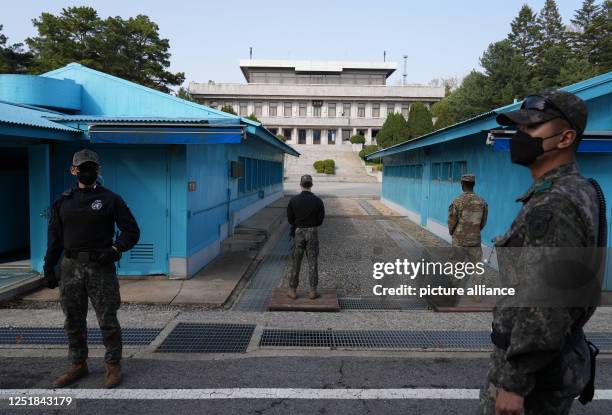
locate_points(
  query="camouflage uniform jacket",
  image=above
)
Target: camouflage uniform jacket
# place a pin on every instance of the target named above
(559, 210)
(467, 215)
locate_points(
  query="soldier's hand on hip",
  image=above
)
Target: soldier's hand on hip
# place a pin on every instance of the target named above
(50, 279)
(108, 256)
(508, 403)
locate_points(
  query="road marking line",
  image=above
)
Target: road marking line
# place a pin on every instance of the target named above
(259, 393)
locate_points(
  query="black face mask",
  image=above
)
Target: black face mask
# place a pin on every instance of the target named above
(525, 149)
(87, 176)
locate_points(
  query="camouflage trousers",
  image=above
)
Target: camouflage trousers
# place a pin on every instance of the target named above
(80, 281)
(536, 403)
(305, 240)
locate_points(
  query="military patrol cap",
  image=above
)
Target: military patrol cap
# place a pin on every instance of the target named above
(546, 106)
(84, 156)
(468, 178)
(306, 180)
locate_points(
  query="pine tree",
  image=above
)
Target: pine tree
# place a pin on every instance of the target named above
(601, 55)
(394, 131)
(508, 74)
(13, 58)
(583, 37)
(552, 48)
(419, 120)
(524, 34)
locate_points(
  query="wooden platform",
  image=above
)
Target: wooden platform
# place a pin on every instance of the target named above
(328, 301)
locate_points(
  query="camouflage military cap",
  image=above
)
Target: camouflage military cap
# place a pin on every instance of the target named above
(84, 156)
(468, 178)
(306, 180)
(546, 106)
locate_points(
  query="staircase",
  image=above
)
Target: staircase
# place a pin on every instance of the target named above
(349, 166)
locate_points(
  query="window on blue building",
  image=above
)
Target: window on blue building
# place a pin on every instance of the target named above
(459, 169)
(447, 173)
(435, 171)
(259, 174)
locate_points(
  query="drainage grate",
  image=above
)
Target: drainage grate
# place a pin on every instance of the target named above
(373, 304)
(400, 238)
(256, 295)
(371, 210)
(296, 338)
(208, 338)
(53, 335)
(393, 339)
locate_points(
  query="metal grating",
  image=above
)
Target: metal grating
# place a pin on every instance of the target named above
(381, 304)
(296, 338)
(393, 339)
(208, 338)
(371, 210)
(256, 295)
(53, 335)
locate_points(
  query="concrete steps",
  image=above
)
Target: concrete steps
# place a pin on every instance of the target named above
(349, 166)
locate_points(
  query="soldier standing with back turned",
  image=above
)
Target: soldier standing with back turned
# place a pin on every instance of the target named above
(82, 225)
(541, 360)
(467, 215)
(305, 213)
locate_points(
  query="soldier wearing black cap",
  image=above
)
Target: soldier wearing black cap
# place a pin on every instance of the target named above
(82, 226)
(541, 360)
(305, 214)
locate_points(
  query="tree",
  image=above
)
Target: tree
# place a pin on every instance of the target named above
(507, 71)
(552, 49)
(419, 120)
(128, 48)
(252, 117)
(13, 59)
(444, 114)
(394, 130)
(357, 139)
(524, 34)
(229, 109)
(184, 94)
(601, 54)
(281, 137)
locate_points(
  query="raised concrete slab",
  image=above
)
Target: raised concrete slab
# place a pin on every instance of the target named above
(328, 301)
(215, 283)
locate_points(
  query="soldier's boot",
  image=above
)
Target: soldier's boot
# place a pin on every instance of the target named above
(292, 293)
(74, 373)
(113, 375)
(313, 294)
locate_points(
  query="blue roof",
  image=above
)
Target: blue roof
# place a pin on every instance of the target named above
(587, 89)
(28, 116)
(137, 120)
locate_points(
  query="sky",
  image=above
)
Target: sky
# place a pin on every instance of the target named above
(442, 38)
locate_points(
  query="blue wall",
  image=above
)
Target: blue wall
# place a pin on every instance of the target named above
(40, 91)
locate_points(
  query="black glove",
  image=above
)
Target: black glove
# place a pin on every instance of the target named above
(108, 256)
(50, 279)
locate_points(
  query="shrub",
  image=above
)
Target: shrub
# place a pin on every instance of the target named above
(357, 139)
(329, 170)
(329, 163)
(368, 150)
(229, 109)
(281, 137)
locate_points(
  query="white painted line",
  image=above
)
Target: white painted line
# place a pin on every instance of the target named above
(259, 393)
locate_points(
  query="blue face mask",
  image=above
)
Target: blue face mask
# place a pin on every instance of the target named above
(525, 149)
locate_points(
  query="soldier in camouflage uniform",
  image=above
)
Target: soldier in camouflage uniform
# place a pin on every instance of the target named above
(305, 213)
(82, 225)
(540, 360)
(467, 216)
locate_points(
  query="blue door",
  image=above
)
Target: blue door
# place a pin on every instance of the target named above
(40, 200)
(139, 175)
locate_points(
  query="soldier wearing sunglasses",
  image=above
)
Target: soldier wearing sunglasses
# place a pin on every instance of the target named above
(541, 360)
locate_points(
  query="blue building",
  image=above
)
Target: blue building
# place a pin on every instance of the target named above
(189, 173)
(421, 176)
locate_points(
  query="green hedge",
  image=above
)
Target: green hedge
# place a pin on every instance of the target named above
(357, 139)
(324, 166)
(368, 150)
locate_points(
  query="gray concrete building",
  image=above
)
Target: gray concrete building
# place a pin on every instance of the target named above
(317, 102)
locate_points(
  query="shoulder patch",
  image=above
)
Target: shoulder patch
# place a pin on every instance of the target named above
(537, 222)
